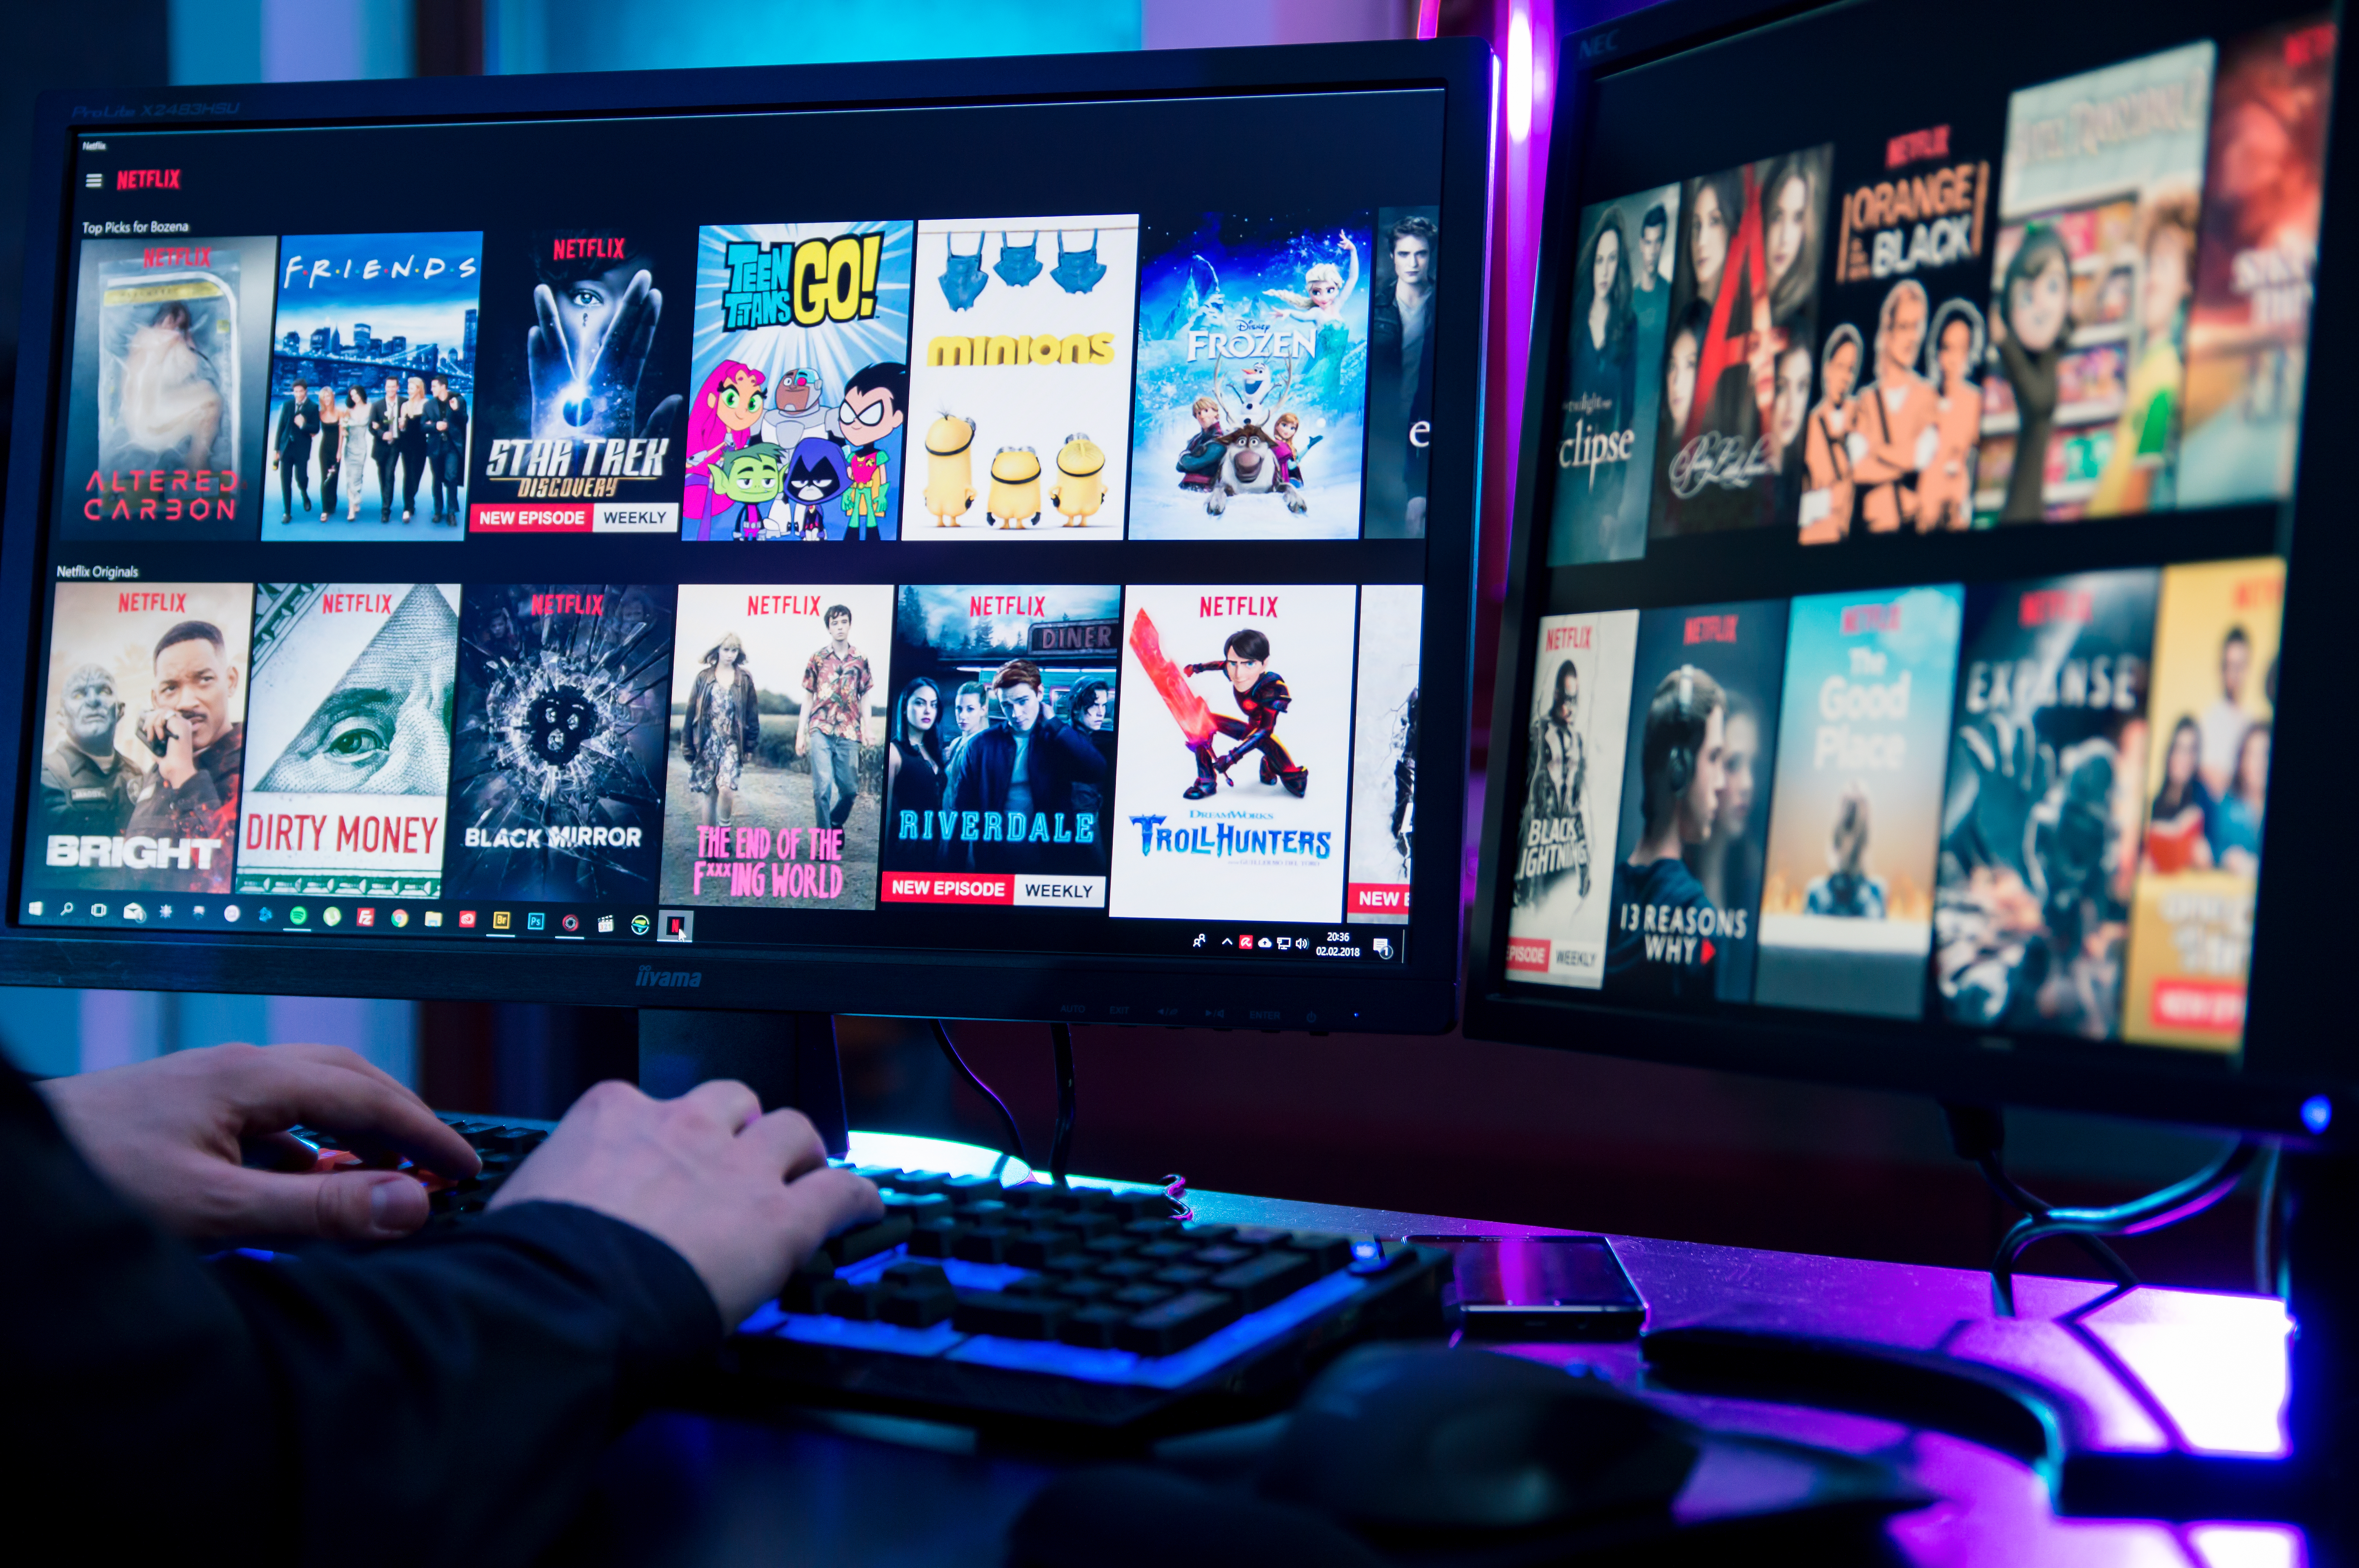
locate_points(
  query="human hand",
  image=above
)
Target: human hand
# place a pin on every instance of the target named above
(170, 1134)
(601, 388)
(802, 736)
(746, 1199)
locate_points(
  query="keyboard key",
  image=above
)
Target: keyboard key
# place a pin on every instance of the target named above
(1161, 1253)
(1087, 1223)
(804, 1285)
(914, 1309)
(982, 1211)
(1013, 1317)
(867, 1241)
(1130, 1271)
(1326, 1251)
(1273, 1276)
(1073, 1263)
(1153, 1229)
(911, 1275)
(917, 1181)
(1139, 1297)
(1226, 1255)
(1074, 1199)
(918, 1207)
(1084, 1290)
(983, 1244)
(1129, 1207)
(1093, 1327)
(1033, 1248)
(1111, 1247)
(1181, 1278)
(973, 1186)
(881, 1175)
(1257, 1236)
(1207, 1235)
(858, 1302)
(935, 1238)
(1176, 1323)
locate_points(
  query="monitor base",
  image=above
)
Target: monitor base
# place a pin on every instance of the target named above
(785, 1058)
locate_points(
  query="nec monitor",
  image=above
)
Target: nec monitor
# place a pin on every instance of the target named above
(1906, 679)
(981, 539)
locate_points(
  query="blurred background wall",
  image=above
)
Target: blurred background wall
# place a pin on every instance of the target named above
(1445, 1125)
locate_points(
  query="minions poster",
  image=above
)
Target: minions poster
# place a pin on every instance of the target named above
(1253, 376)
(1020, 362)
(800, 382)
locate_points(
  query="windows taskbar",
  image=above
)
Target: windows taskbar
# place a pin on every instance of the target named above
(363, 915)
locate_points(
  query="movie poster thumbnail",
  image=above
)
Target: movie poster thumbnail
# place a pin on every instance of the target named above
(801, 383)
(2248, 327)
(1700, 750)
(1744, 295)
(1402, 342)
(1000, 743)
(1021, 364)
(1855, 811)
(164, 424)
(1236, 760)
(1615, 325)
(372, 384)
(1889, 444)
(579, 409)
(1383, 754)
(773, 782)
(348, 761)
(2043, 806)
(144, 738)
(1570, 821)
(2094, 269)
(557, 772)
(1252, 393)
(2215, 702)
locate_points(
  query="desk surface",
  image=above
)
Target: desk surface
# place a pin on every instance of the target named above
(685, 1489)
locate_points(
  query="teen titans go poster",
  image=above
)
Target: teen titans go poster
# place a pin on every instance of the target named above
(1253, 376)
(801, 386)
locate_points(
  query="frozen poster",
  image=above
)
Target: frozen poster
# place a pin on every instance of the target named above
(799, 384)
(1251, 404)
(1021, 362)
(171, 349)
(1233, 789)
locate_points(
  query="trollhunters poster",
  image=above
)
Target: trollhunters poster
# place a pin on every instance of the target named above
(1855, 816)
(1383, 754)
(799, 356)
(1252, 395)
(348, 754)
(1613, 379)
(558, 752)
(1695, 802)
(1234, 773)
(2040, 817)
(1001, 745)
(579, 409)
(1401, 347)
(1020, 356)
(2100, 197)
(1744, 295)
(1890, 442)
(2249, 325)
(145, 738)
(377, 335)
(164, 424)
(1568, 823)
(778, 729)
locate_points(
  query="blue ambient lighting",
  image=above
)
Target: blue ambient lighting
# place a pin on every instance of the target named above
(2317, 1112)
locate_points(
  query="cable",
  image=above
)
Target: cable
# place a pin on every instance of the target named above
(2265, 1217)
(1060, 1037)
(1978, 1134)
(2179, 1201)
(1007, 1116)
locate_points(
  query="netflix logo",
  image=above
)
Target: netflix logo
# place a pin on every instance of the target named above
(782, 604)
(982, 606)
(2048, 606)
(594, 248)
(151, 603)
(1859, 618)
(1561, 638)
(1711, 629)
(568, 605)
(146, 180)
(1914, 145)
(177, 256)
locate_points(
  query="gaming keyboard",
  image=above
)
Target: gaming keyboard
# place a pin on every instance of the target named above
(1025, 1304)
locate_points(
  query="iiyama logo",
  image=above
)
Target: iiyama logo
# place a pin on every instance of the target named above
(651, 976)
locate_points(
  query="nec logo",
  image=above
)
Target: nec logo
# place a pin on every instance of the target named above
(688, 978)
(1602, 45)
(146, 180)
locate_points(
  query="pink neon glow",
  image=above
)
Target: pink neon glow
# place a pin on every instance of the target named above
(1519, 74)
(2216, 1364)
(2248, 1546)
(1429, 18)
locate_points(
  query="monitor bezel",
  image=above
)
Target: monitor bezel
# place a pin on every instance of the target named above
(1418, 995)
(2290, 1054)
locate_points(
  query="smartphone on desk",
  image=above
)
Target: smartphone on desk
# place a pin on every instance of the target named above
(1521, 1289)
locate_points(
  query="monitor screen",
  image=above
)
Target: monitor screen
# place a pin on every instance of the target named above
(1894, 658)
(997, 531)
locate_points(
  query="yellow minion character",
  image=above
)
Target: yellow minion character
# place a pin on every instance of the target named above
(950, 470)
(1015, 488)
(1081, 481)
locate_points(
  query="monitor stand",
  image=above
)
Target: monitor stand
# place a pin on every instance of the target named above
(785, 1058)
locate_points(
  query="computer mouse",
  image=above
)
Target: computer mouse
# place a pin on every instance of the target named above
(1394, 1436)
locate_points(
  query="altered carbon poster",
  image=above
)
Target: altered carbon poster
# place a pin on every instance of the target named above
(580, 401)
(557, 754)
